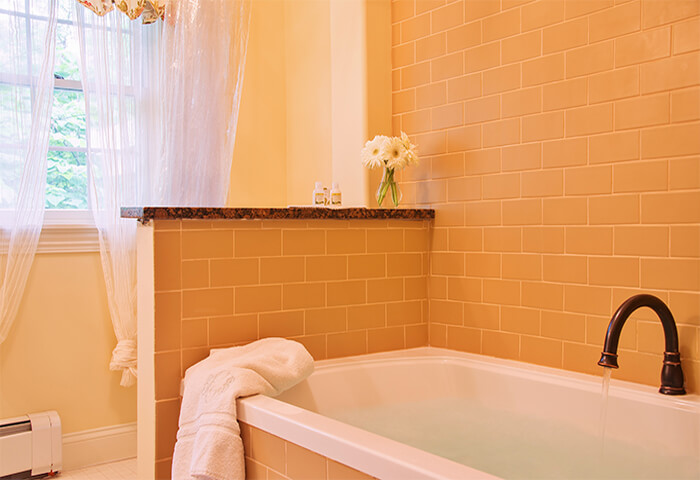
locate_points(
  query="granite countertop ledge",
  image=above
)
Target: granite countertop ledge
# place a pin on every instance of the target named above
(145, 214)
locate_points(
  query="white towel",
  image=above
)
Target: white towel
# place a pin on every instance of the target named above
(209, 445)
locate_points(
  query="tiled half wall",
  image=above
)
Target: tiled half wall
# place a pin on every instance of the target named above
(560, 149)
(340, 287)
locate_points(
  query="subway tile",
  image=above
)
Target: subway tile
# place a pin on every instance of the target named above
(207, 302)
(303, 464)
(501, 25)
(404, 264)
(447, 116)
(565, 268)
(167, 320)
(588, 180)
(685, 241)
(475, 9)
(642, 112)
(281, 269)
(483, 264)
(482, 213)
(685, 307)
(256, 243)
(258, 298)
(673, 140)
(232, 329)
(614, 272)
(465, 36)
(503, 132)
(522, 102)
(500, 344)
(337, 471)
(589, 240)
(345, 241)
(303, 295)
(417, 335)
(404, 313)
(451, 214)
(563, 326)
(404, 101)
(643, 241)
(429, 47)
(482, 109)
(517, 158)
(685, 105)
(543, 239)
(446, 67)
(590, 59)
(482, 161)
(686, 36)
(613, 209)
(521, 266)
(521, 47)
(269, 450)
(194, 333)
(361, 317)
(352, 292)
(670, 273)
(234, 271)
(195, 274)
(543, 295)
(167, 375)
(575, 8)
(565, 36)
(565, 153)
(586, 299)
(464, 87)
(448, 166)
(564, 211)
(669, 73)
(423, 6)
(540, 14)
(541, 351)
(281, 324)
(671, 207)
(582, 358)
(431, 95)
(480, 315)
(522, 212)
(446, 312)
(589, 120)
(613, 85)
(416, 122)
(463, 339)
(465, 138)
(402, 10)
(614, 22)
(415, 75)
(327, 267)
(520, 320)
(366, 266)
(545, 126)
(347, 343)
(642, 47)
(447, 17)
(499, 239)
(482, 57)
(415, 28)
(416, 288)
(166, 259)
(656, 13)
(501, 79)
(207, 244)
(167, 413)
(684, 173)
(501, 186)
(463, 188)
(614, 147)
(325, 320)
(640, 176)
(403, 55)
(545, 69)
(542, 183)
(465, 239)
(566, 94)
(385, 339)
(382, 241)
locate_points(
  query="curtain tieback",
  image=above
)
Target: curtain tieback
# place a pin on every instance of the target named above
(124, 359)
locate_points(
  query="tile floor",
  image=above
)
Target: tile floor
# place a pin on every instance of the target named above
(122, 470)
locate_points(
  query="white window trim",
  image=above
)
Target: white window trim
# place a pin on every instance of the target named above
(68, 231)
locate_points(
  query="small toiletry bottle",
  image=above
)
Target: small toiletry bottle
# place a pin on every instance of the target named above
(319, 196)
(326, 196)
(336, 197)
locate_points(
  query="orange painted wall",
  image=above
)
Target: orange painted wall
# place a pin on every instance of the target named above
(560, 147)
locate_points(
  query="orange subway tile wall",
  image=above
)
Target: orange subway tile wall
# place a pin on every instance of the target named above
(340, 287)
(560, 148)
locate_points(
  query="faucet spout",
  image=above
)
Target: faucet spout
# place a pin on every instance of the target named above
(671, 373)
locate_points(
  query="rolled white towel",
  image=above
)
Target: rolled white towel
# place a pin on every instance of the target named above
(209, 445)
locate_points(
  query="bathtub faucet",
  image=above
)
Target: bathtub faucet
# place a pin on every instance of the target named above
(671, 373)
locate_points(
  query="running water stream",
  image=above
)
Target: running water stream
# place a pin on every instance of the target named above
(604, 409)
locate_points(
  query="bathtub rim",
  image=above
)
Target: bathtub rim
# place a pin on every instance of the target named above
(388, 459)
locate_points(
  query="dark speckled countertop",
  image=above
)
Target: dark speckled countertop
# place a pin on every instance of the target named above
(145, 214)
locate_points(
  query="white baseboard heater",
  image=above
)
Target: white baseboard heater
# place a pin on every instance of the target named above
(30, 446)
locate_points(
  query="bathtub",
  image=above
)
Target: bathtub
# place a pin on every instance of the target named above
(430, 413)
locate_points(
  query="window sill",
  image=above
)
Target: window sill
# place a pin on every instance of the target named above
(68, 232)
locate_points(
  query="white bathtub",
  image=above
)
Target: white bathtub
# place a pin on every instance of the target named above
(500, 418)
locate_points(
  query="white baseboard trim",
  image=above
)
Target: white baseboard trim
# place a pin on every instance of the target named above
(99, 445)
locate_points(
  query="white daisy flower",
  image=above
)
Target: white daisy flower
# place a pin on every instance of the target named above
(372, 153)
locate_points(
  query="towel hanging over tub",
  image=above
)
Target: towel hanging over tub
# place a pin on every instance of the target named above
(209, 445)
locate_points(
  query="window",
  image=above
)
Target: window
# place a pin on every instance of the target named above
(67, 190)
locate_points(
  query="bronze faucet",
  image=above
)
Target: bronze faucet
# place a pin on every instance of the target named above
(671, 373)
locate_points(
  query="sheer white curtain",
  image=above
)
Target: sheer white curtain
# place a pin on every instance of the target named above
(162, 107)
(26, 98)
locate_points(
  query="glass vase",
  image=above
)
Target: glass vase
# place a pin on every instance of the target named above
(388, 188)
